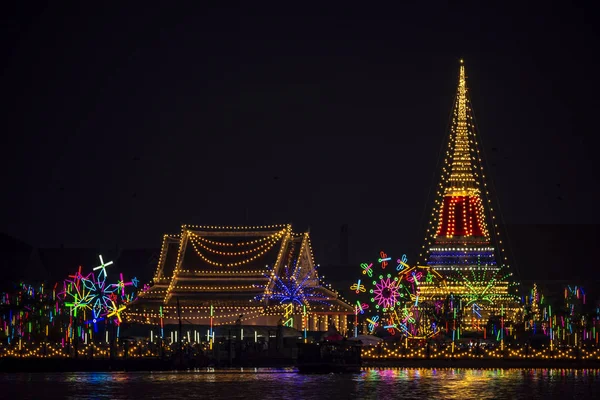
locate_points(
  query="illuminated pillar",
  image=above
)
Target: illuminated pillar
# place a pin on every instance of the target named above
(550, 323)
(211, 318)
(211, 332)
(355, 321)
(304, 322)
(502, 328)
(162, 325)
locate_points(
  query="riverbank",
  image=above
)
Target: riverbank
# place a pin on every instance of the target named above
(11, 365)
(15, 364)
(480, 363)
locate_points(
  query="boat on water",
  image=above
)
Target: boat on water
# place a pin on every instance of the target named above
(329, 357)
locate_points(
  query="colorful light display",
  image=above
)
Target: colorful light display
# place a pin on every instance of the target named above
(385, 292)
(86, 294)
(396, 297)
(462, 242)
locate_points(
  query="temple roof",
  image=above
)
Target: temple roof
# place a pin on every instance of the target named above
(237, 265)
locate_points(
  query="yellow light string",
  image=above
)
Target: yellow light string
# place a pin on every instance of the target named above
(239, 244)
(278, 263)
(234, 264)
(198, 241)
(163, 254)
(182, 241)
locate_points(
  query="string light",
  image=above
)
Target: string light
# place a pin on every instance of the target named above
(228, 267)
(460, 245)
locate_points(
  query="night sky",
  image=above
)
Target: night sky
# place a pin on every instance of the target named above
(122, 123)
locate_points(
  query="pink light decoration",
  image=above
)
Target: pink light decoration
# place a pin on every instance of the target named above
(367, 269)
(386, 293)
(415, 277)
(122, 284)
(361, 307)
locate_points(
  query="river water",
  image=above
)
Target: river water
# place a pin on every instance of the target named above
(401, 383)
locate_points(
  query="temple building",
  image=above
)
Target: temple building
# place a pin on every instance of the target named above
(463, 244)
(254, 275)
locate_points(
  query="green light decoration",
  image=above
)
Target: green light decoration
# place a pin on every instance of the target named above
(482, 289)
(77, 296)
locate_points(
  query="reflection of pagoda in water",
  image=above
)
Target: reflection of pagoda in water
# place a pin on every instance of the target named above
(259, 275)
(462, 242)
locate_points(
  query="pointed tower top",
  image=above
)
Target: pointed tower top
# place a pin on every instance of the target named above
(461, 211)
(462, 177)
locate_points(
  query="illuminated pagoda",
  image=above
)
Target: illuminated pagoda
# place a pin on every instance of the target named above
(256, 275)
(462, 243)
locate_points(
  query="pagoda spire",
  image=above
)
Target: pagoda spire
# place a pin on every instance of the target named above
(462, 176)
(462, 211)
(462, 249)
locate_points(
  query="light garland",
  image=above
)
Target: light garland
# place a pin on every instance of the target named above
(197, 240)
(167, 240)
(241, 244)
(269, 246)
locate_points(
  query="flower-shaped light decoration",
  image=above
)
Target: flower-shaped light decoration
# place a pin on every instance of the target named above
(385, 292)
(100, 293)
(396, 296)
(115, 310)
(485, 287)
(294, 286)
(93, 292)
(76, 296)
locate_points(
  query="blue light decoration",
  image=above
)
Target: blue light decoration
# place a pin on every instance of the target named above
(462, 257)
(373, 322)
(402, 263)
(294, 285)
(100, 293)
(94, 321)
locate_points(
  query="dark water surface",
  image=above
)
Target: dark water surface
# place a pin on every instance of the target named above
(464, 384)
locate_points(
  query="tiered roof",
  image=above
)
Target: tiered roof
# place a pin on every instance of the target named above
(213, 263)
(237, 268)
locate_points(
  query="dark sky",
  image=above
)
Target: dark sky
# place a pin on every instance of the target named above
(121, 123)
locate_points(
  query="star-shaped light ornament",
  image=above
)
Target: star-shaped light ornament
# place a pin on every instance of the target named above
(116, 311)
(121, 284)
(102, 274)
